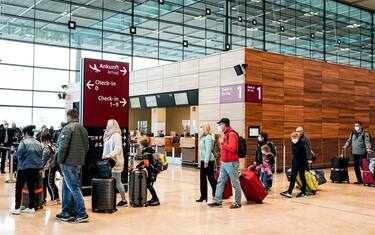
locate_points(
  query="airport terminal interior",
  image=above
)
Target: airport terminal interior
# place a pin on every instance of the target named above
(187, 116)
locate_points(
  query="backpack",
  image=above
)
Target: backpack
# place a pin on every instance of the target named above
(272, 148)
(161, 163)
(271, 158)
(242, 148)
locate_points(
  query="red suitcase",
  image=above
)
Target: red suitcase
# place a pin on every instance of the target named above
(228, 185)
(252, 187)
(368, 178)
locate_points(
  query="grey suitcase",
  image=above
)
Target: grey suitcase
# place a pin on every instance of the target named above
(103, 192)
(138, 188)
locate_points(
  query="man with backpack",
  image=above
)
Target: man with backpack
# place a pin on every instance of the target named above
(360, 140)
(231, 148)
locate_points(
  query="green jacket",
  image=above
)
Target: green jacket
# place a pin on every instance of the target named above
(72, 145)
(206, 146)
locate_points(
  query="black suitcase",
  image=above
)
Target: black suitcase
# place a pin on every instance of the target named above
(339, 169)
(39, 194)
(103, 193)
(138, 188)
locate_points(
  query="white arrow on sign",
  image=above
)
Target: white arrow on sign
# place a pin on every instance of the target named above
(123, 102)
(89, 85)
(124, 71)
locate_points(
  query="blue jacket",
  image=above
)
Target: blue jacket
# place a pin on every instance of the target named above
(29, 154)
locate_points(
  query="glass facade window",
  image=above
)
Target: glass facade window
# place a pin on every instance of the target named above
(39, 52)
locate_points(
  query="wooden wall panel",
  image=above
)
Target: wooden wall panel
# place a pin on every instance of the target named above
(324, 98)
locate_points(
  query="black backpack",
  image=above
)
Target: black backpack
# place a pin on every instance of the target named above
(272, 148)
(242, 148)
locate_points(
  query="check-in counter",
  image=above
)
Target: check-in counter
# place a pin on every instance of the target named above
(189, 150)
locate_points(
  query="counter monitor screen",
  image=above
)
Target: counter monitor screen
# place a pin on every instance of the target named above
(151, 101)
(181, 98)
(135, 103)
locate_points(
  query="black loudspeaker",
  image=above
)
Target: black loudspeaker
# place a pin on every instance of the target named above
(238, 70)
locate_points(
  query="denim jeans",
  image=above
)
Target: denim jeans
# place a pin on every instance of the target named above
(228, 170)
(264, 179)
(119, 184)
(72, 192)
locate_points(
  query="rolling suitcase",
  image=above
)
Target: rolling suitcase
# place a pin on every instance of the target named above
(138, 188)
(39, 196)
(339, 168)
(252, 187)
(311, 182)
(319, 174)
(228, 185)
(103, 193)
(368, 177)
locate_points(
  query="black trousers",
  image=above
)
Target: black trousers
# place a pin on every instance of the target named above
(357, 160)
(150, 187)
(49, 183)
(293, 177)
(28, 176)
(207, 173)
(3, 153)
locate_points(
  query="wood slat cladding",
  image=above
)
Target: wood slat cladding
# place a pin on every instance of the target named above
(324, 98)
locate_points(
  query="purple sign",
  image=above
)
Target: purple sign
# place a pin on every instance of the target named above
(232, 93)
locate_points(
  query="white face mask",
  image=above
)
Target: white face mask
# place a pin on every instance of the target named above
(264, 152)
(294, 141)
(357, 128)
(219, 129)
(260, 139)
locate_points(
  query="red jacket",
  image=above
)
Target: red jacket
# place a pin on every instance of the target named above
(229, 147)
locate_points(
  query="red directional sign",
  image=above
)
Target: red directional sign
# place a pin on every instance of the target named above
(105, 92)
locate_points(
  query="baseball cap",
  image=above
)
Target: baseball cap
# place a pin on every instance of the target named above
(224, 120)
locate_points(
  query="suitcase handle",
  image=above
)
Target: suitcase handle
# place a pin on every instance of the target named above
(343, 152)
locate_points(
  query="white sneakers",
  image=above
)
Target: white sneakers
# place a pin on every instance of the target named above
(28, 211)
(23, 210)
(15, 211)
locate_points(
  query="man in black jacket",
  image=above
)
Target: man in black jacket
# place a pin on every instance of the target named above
(6, 140)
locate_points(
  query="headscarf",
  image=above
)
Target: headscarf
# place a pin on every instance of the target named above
(112, 127)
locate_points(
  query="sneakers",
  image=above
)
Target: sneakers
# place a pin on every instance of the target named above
(286, 194)
(153, 202)
(215, 204)
(64, 218)
(122, 203)
(15, 211)
(79, 220)
(301, 195)
(235, 206)
(28, 211)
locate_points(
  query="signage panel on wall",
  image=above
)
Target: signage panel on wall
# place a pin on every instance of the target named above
(241, 93)
(105, 92)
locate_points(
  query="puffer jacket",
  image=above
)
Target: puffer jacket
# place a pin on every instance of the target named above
(113, 149)
(73, 144)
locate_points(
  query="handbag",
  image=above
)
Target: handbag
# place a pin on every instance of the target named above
(105, 168)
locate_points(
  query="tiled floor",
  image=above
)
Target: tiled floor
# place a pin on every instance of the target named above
(336, 209)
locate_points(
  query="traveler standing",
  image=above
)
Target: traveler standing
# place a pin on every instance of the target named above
(50, 167)
(229, 168)
(149, 163)
(360, 142)
(6, 140)
(207, 168)
(112, 149)
(299, 163)
(29, 154)
(263, 140)
(72, 147)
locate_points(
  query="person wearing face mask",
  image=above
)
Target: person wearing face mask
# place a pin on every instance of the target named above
(207, 169)
(262, 140)
(360, 141)
(299, 163)
(230, 165)
(306, 142)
